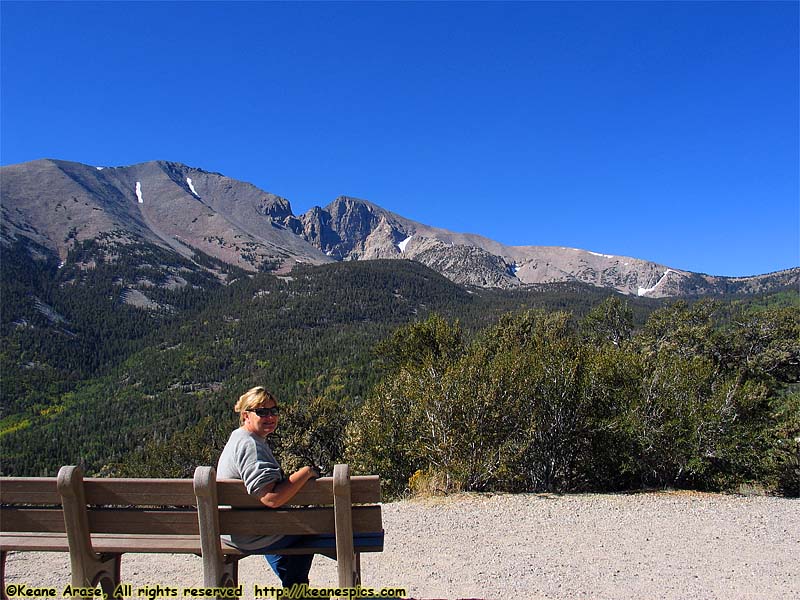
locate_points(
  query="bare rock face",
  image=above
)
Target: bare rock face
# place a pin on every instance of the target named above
(274, 207)
(353, 221)
(467, 265)
(317, 231)
(541, 264)
(382, 242)
(58, 204)
(352, 229)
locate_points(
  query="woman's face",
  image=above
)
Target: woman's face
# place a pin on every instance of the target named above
(259, 425)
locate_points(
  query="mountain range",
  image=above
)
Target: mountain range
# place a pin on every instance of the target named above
(209, 220)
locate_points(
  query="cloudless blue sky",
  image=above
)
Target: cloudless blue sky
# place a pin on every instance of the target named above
(664, 131)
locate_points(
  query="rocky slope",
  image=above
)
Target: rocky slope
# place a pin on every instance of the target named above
(196, 213)
(353, 229)
(58, 203)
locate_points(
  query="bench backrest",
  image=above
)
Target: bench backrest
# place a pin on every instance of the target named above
(30, 504)
(168, 506)
(311, 511)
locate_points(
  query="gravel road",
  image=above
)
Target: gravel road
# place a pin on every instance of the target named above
(651, 545)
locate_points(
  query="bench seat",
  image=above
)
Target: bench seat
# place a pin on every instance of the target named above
(108, 543)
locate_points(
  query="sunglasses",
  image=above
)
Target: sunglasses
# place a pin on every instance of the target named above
(265, 412)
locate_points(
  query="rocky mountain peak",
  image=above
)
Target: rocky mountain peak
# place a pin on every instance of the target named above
(353, 220)
(346, 229)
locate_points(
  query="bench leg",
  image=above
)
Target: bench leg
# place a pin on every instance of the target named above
(110, 578)
(102, 570)
(230, 573)
(358, 569)
(222, 573)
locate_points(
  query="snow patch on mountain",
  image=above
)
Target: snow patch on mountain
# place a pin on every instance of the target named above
(139, 192)
(191, 187)
(645, 291)
(602, 255)
(402, 245)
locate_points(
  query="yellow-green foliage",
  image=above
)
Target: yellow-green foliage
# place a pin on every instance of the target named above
(52, 410)
(12, 424)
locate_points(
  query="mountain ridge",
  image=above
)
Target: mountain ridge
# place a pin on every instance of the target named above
(189, 210)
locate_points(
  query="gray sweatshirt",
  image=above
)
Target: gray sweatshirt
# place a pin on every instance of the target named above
(247, 456)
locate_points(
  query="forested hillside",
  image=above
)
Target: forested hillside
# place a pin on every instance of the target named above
(90, 379)
(62, 324)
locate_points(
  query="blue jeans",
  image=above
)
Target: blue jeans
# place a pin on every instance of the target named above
(291, 569)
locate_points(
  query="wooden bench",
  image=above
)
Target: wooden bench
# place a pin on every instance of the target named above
(99, 520)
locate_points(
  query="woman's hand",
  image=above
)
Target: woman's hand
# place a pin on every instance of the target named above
(278, 494)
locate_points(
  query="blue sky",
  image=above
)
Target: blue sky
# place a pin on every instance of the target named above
(664, 131)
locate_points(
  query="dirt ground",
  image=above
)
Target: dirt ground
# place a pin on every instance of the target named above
(653, 545)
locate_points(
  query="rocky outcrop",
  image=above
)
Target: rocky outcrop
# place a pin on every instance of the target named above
(353, 229)
(274, 207)
(467, 265)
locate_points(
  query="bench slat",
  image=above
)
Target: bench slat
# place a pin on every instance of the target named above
(29, 490)
(173, 492)
(159, 544)
(307, 521)
(33, 542)
(117, 544)
(138, 492)
(184, 522)
(365, 489)
(32, 519)
(182, 544)
(164, 522)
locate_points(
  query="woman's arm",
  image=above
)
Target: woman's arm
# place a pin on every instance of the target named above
(278, 494)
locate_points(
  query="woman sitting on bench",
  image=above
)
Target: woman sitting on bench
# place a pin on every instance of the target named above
(247, 456)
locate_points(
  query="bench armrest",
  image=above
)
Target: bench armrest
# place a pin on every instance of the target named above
(343, 515)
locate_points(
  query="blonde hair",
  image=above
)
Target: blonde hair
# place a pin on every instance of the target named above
(253, 398)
